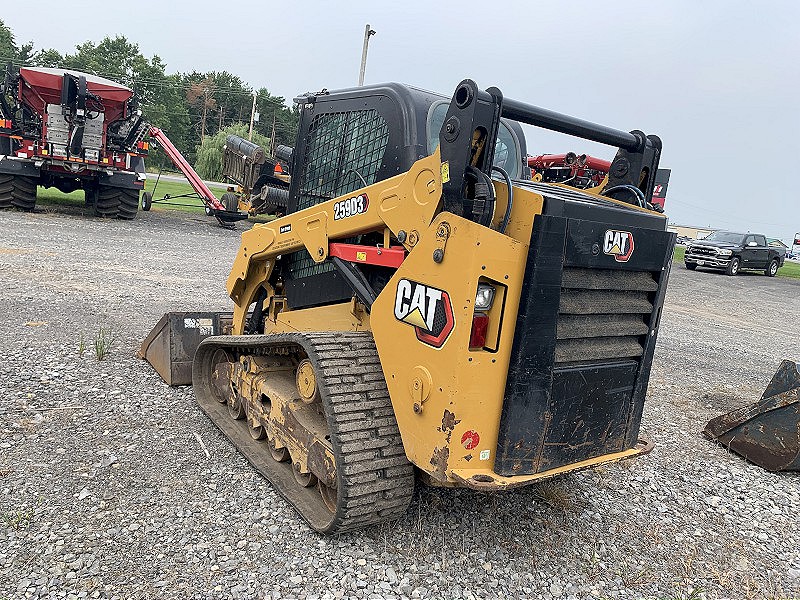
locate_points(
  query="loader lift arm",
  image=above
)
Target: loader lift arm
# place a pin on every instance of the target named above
(213, 205)
(408, 203)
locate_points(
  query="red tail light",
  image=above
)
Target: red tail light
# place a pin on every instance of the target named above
(278, 168)
(480, 327)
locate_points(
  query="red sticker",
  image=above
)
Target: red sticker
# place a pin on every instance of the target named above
(470, 439)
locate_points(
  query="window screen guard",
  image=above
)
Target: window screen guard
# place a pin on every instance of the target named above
(341, 148)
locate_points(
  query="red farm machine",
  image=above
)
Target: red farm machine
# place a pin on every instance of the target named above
(583, 172)
(71, 131)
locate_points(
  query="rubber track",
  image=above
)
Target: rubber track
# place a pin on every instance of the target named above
(375, 479)
(129, 204)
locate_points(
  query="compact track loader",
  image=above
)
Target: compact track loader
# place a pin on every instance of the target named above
(422, 309)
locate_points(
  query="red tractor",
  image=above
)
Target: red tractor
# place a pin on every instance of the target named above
(71, 131)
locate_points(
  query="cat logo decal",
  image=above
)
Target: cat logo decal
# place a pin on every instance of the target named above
(618, 244)
(427, 309)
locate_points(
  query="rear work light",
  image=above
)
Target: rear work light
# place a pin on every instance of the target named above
(480, 318)
(484, 297)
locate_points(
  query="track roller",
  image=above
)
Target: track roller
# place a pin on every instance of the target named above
(335, 454)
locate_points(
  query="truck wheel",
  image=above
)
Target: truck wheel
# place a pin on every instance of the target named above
(772, 268)
(107, 203)
(129, 204)
(733, 266)
(230, 202)
(147, 201)
(690, 266)
(17, 192)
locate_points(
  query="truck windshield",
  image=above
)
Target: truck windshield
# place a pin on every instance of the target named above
(725, 237)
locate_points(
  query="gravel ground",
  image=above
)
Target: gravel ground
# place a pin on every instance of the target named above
(105, 491)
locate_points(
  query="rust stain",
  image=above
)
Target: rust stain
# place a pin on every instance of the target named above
(449, 423)
(439, 462)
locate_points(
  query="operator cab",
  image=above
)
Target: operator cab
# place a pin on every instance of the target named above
(349, 139)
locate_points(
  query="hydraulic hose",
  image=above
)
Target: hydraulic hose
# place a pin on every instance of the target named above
(507, 216)
(641, 201)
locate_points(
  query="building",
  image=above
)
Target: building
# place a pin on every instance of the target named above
(694, 233)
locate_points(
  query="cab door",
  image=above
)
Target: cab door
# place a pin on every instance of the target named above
(762, 251)
(749, 252)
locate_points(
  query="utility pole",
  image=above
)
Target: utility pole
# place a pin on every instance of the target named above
(367, 32)
(205, 113)
(252, 117)
(272, 138)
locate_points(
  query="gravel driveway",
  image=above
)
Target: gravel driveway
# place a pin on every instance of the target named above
(107, 492)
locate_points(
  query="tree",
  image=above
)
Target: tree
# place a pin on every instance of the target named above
(209, 153)
(48, 58)
(11, 53)
(201, 94)
(273, 109)
(8, 47)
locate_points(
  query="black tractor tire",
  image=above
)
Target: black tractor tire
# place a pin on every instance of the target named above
(6, 187)
(147, 201)
(129, 204)
(772, 268)
(108, 202)
(733, 266)
(691, 266)
(90, 195)
(230, 202)
(17, 192)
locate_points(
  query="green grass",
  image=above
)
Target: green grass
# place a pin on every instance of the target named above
(789, 268)
(52, 196)
(175, 188)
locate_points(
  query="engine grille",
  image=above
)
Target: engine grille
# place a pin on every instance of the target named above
(703, 251)
(603, 314)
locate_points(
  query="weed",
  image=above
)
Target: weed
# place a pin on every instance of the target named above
(103, 341)
(632, 577)
(19, 519)
(693, 593)
(554, 495)
(81, 345)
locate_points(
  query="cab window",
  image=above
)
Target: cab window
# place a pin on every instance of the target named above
(506, 150)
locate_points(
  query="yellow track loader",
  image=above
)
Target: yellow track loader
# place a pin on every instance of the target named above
(425, 313)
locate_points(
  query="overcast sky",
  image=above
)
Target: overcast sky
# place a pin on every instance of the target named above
(717, 81)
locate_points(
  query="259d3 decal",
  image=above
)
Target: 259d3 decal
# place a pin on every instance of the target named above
(427, 309)
(357, 205)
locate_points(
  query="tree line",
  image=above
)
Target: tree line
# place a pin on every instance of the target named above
(195, 109)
